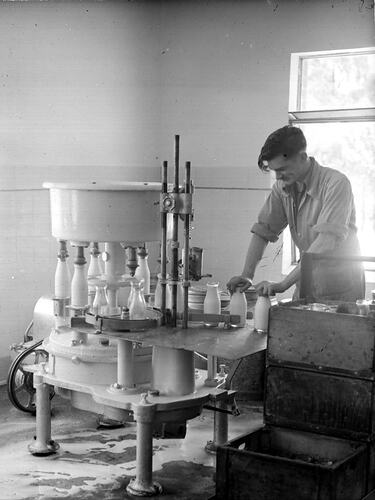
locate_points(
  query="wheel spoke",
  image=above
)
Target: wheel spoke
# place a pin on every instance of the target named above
(30, 403)
(20, 388)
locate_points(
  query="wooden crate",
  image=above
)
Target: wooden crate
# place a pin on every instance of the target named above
(318, 438)
(335, 342)
(274, 463)
(320, 402)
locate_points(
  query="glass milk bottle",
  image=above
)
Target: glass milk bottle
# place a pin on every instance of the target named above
(137, 309)
(261, 311)
(238, 306)
(212, 303)
(100, 304)
(158, 293)
(131, 293)
(94, 271)
(143, 272)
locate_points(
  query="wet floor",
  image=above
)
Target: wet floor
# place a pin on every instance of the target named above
(98, 463)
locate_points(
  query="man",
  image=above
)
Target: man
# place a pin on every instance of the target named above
(317, 204)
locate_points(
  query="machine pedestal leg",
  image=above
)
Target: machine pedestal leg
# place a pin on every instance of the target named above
(43, 444)
(211, 380)
(143, 485)
(220, 428)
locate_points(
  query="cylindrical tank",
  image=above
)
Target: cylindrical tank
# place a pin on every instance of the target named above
(173, 371)
(105, 211)
(43, 318)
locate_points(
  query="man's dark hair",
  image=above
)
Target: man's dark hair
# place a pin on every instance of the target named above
(286, 141)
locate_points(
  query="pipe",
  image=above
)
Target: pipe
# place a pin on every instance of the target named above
(186, 254)
(125, 364)
(43, 444)
(163, 253)
(142, 484)
(174, 263)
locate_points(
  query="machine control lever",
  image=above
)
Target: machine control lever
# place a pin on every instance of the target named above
(234, 410)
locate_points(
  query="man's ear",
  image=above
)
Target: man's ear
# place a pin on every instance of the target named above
(303, 155)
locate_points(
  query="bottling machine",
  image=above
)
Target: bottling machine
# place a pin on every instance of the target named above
(124, 368)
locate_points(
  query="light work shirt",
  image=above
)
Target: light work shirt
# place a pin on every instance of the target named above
(322, 203)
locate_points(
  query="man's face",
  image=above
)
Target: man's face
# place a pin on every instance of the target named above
(288, 170)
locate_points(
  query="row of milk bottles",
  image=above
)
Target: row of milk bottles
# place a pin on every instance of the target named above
(140, 286)
(237, 306)
(83, 290)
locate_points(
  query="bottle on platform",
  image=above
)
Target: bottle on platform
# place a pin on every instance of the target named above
(238, 306)
(137, 308)
(143, 271)
(261, 313)
(212, 302)
(100, 304)
(94, 271)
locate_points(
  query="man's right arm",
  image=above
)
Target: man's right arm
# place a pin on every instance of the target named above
(271, 222)
(254, 254)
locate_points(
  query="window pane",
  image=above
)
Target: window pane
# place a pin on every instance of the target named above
(350, 148)
(338, 82)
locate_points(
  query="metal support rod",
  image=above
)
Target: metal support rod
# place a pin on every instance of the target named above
(220, 436)
(125, 363)
(211, 367)
(353, 258)
(144, 457)
(175, 216)
(142, 484)
(220, 424)
(163, 253)
(185, 316)
(43, 445)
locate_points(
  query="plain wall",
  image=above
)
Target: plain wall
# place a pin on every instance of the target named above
(225, 79)
(79, 99)
(97, 90)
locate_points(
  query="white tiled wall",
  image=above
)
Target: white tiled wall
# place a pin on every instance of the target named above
(96, 90)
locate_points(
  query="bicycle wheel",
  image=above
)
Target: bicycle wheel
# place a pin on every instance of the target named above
(20, 383)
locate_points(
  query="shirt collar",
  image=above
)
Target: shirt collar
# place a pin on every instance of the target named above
(309, 183)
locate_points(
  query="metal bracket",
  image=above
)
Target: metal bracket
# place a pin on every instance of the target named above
(176, 203)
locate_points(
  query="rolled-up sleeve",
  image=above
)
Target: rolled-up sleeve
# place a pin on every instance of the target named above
(337, 207)
(272, 219)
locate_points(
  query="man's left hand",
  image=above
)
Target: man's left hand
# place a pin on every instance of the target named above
(269, 288)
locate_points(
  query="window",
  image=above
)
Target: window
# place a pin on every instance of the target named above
(332, 98)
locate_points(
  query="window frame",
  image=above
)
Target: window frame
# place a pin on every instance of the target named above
(297, 116)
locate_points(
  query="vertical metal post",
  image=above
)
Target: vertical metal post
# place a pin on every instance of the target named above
(43, 444)
(211, 380)
(220, 424)
(174, 263)
(220, 427)
(125, 364)
(185, 317)
(142, 484)
(163, 253)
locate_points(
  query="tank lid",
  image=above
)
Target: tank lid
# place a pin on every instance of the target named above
(105, 186)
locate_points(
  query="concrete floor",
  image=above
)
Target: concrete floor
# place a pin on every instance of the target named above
(97, 463)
